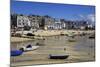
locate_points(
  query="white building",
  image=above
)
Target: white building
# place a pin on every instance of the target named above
(35, 20)
(23, 21)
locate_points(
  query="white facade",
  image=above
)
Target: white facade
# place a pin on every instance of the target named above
(23, 21)
(34, 21)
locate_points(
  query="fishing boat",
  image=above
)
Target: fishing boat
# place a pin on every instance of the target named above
(29, 48)
(16, 52)
(58, 56)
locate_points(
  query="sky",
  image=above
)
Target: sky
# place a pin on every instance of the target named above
(64, 11)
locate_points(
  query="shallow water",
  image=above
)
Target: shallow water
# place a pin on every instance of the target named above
(83, 49)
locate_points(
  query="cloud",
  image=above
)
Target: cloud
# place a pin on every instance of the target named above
(82, 16)
(90, 18)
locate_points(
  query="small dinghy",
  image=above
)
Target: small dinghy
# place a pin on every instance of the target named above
(71, 40)
(16, 52)
(92, 37)
(29, 48)
(58, 56)
(71, 35)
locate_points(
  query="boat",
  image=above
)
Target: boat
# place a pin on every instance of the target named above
(38, 44)
(16, 52)
(92, 36)
(58, 56)
(30, 34)
(62, 34)
(71, 35)
(71, 40)
(29, 48)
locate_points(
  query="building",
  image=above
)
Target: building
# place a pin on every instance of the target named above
(48, 22)
(44, 22)
(34, 21)
(23, 22)
(58, 24)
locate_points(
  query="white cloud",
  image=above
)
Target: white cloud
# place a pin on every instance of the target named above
(81, 16)
(90, 18)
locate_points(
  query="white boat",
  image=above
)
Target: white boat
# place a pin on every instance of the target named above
(28, 48)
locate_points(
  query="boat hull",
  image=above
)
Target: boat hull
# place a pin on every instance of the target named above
(16, 52)
(58, 56)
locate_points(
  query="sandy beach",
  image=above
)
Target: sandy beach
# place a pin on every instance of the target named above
(43, 33)
(19, 39)
(58, 32)
(81, 50)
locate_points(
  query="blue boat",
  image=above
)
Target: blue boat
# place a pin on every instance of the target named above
(16, 52)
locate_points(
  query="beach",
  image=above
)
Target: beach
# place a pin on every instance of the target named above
(58, 32)
(43, 33)
(83, 49)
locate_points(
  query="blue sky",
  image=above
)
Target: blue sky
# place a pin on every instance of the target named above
(66, 11)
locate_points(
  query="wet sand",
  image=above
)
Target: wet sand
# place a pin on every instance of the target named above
(83, 49)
